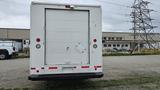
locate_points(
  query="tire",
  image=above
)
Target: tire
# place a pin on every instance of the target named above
(4, 55)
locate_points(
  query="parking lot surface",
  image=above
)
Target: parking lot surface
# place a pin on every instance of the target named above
(14, 72)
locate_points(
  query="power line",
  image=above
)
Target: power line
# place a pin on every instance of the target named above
(113, 3)
(118, 20)
(118, 29)
(117, 4)
(156, 11)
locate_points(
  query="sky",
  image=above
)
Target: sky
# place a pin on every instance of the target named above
(115, 13)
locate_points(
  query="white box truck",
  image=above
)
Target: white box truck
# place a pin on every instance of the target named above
(65, 41)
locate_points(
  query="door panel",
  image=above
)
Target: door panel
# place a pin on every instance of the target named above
(67, 37)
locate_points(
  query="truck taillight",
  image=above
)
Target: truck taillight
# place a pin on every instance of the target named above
(38, 39)
(94, 40)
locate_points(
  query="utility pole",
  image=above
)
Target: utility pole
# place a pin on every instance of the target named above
(142, 25)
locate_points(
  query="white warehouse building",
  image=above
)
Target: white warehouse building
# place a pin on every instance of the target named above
(110, 40)
(124, 40)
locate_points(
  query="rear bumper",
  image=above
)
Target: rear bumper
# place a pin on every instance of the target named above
(65, 76)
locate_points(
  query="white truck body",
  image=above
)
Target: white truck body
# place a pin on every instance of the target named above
(8, 48)
(65, 41)
(26, 44)
(11, 44)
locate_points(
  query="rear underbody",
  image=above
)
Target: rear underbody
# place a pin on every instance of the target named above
(65, 76)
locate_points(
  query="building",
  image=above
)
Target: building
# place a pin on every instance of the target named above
(124, 40)
(110, 40)
(16, 34)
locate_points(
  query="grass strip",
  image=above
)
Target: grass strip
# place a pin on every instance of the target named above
(84, 84)
(128, 54)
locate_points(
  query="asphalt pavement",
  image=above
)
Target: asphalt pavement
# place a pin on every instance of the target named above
(14, 72)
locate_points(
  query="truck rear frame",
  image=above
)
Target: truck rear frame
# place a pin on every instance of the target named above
(65, 41)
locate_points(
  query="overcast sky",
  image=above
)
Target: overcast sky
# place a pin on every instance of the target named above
(16, 13)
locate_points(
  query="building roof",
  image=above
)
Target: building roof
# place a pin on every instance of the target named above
(130, 35)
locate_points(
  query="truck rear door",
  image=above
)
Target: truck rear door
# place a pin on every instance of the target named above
(66, 37)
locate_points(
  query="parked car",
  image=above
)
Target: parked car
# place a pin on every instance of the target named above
(123, 50)
(115, 49)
